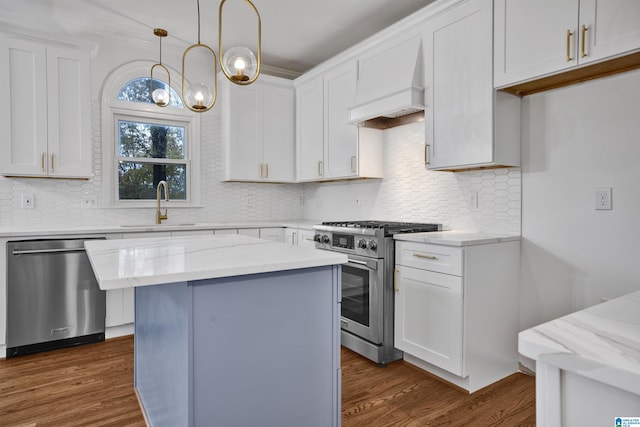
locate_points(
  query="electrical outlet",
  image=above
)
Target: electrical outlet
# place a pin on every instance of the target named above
(603, 198)
(89, 203)
(27, 201)
(251, 202)
(473, 201)
(358, 202)
(301, 201)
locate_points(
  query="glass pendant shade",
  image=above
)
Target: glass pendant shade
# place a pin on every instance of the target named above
(239, 64)
(199, 97)
(161, 96)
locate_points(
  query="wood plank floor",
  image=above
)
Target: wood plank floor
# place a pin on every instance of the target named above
(92, 385)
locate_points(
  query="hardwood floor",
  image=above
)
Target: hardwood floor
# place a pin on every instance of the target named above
(89, 385)
(92, 385)
(403, 395)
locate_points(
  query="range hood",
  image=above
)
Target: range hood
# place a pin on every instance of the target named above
(389, 84)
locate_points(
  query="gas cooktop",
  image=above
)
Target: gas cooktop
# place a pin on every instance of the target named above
(388, 227)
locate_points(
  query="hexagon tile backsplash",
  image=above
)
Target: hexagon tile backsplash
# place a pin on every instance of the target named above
(486, 201)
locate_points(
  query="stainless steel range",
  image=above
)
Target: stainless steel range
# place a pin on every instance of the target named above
(367, 282)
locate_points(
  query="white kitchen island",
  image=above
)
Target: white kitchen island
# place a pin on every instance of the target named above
(587, 365)
(230, 330)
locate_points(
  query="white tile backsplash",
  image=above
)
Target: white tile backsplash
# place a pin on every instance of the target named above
(408, 192)
(59, 202)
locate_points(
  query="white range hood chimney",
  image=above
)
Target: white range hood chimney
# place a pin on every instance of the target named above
(390, 83)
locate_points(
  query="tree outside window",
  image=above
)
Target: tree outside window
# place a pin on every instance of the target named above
(150, 149)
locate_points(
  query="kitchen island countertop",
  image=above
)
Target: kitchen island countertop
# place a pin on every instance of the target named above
(151, 261)
(601, 342)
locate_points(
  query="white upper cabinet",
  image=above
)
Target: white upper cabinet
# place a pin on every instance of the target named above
(536, 38)
(45, 110)
(328, 146)
(341, 138)
(310, 130)
(259, 130)
(468, 124)
(608, 28)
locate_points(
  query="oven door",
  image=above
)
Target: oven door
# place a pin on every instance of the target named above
(362, 298)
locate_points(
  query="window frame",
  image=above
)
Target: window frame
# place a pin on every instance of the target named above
(114, 109)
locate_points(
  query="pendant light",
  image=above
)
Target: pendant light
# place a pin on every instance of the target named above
(161, 96)
(199, 97)
(239, 64)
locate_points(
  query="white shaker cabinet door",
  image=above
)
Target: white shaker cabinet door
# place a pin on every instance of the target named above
(245, 147)
(279, 134)
(608, 28)
(69, 113)
(534, 38)
(310, 130)
(468, 125)
(23, 108)
(341, 137)
(429, 317)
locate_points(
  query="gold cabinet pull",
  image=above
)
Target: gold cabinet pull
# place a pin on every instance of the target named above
(266, 170)
(426, 154)
(583, 54)
(569, 34)
(395, 279)
(353, 164)
(53, 167)
(260, 169)
(319, 167)
(425, 256)
(42, 161)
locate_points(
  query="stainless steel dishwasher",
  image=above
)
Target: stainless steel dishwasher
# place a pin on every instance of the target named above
(53, 298)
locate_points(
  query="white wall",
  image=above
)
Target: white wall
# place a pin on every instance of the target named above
(409, 192)
(58, 202)
(575, 140)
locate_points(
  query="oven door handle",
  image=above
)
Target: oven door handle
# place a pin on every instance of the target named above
(368, 264)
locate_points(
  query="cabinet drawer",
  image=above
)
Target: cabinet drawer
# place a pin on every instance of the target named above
(439, 258)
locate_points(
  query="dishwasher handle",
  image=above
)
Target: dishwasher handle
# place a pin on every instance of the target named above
(47, 251)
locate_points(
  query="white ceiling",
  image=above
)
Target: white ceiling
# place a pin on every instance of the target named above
(296, 34)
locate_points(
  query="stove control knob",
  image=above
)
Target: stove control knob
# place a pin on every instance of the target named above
(325, 239)
(362, 244)
(372, 245)
(317, 238)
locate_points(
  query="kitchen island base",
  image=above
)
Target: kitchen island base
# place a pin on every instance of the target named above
(260, 349)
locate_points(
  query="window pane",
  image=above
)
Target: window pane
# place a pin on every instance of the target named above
(139, 181)
(150, 140)
(139, 90)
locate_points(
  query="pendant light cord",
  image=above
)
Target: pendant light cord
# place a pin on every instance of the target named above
(198, 21)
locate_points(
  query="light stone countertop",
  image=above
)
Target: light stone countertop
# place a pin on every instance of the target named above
(600, 342)
(455, 238)
(30, 231)
(151, 261)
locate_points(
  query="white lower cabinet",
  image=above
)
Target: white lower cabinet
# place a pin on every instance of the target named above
(300, 237)
(275, 234)
(226, 231)
(456, 309)
(429, 317)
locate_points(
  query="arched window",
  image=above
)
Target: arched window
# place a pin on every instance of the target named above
(140, 89)
(144, 144)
